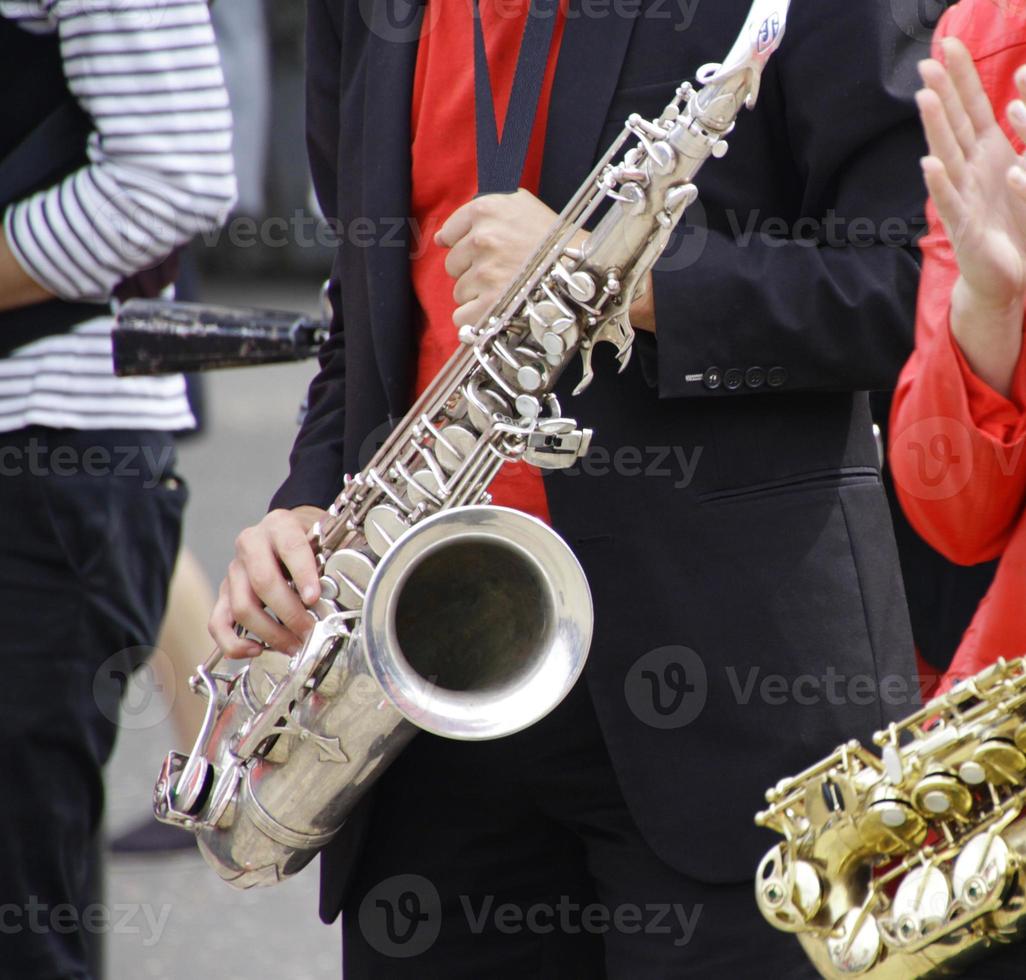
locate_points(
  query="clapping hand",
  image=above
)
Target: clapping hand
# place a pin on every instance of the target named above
(978, 185)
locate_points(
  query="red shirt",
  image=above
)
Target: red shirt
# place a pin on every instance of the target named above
(444, 174)
(958, 449)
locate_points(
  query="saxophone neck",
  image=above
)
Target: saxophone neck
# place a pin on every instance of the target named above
(734, 84)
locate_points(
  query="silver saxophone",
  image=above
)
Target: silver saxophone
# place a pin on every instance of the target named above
(438, 611)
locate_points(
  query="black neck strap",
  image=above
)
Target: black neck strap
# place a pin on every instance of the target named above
(500, 165)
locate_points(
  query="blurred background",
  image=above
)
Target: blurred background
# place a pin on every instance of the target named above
(172, 918)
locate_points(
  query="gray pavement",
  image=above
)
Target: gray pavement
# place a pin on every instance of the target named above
(172, 918)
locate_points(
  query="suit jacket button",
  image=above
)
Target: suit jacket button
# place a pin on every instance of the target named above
(712, 378)
(755, 377)
(777, 377)
(733, 379)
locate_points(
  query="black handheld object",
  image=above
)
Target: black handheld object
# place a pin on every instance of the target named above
(163, 337)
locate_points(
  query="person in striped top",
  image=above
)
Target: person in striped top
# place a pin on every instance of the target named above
(115, 151)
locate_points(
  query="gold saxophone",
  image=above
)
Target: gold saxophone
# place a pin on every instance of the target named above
(910, 864)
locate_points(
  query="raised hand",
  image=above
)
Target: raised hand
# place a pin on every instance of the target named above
(978, 186)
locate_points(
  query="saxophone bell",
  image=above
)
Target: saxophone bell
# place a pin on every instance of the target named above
(475, 625)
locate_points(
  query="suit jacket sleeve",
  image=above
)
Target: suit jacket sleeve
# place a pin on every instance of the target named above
(830, 298)
(316, 464)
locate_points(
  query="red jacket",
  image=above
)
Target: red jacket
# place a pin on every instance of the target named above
(958, 448)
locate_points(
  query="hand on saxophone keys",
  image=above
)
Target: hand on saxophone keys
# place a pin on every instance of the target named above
(490, 238)
(267, 555)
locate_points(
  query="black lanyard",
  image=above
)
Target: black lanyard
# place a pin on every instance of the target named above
(500, 165)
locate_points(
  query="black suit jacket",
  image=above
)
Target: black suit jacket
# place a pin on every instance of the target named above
(731, 509)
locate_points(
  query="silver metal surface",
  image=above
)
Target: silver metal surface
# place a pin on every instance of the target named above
(443, 613)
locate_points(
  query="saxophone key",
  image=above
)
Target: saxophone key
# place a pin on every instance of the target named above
(972, 772)
(351, 572)
(329, 588)
(940, 794)
(856, 943)
(424, 486)
(554, 344)
(484, 405)
(920, 904)
(890, 824)
(790, 894)
(383, 526)
(533, 376)
(1020, 736)
(1002, 763)
(982, 870)
(579, 285)
(528, 407)
(454, 445)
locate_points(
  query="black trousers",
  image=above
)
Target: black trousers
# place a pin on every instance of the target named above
(518, 858)
(89, 531)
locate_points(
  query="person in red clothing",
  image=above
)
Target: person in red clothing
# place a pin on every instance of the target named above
(959, 415)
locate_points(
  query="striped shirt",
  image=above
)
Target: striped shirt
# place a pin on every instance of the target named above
(160, 172)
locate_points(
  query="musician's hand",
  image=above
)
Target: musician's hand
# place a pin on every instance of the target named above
(264, 554)
(973, 175)
(490, 238)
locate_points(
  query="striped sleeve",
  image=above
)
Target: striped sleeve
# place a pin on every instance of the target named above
(160, 167)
